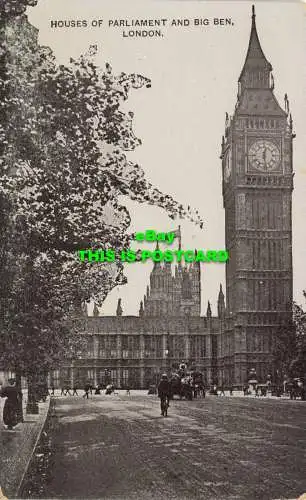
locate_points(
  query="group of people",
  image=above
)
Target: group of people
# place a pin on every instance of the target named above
(220, 390)
(89, 389)
(66, 390)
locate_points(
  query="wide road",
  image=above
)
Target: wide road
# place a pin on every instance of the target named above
(120, 447)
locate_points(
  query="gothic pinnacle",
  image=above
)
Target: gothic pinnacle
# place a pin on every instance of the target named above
(141, 311)
(119, 310)
(208, 312)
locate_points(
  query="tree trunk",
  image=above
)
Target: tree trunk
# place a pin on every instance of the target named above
(43, 386)
(18, 387)
(32, 406)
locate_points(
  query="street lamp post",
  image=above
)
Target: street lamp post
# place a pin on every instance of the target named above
(167, 360)
(167, 354)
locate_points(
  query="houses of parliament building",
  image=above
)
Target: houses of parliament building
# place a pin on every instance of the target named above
(257, 183)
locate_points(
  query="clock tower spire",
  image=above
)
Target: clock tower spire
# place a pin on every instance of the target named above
(256, 70)
(257, 196)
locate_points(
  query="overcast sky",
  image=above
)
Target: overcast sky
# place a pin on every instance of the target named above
(180, 120)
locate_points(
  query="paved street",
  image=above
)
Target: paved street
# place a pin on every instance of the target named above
(219, 448)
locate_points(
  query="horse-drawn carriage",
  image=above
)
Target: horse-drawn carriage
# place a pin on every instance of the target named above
(297, 388)
(181, 386)
(187, 384)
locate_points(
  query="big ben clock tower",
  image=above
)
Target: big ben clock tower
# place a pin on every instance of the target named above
(257, 193)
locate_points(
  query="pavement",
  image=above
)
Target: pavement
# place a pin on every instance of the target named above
(217, 448)
(17, 446)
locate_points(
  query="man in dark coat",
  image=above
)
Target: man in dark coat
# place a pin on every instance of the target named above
(164, 390)
(11, 405)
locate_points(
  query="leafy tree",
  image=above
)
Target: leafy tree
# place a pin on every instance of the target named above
(284, 349)
(12, 8)
(63, 170)
(298, 363)
(289, 345)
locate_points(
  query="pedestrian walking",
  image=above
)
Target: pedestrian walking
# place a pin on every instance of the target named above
(11, 405)
(222, 393)
(86, 391)
(75, 392)
(164, 393)
(128, 391)
(51, 390)
(67, 391)
(62, 391)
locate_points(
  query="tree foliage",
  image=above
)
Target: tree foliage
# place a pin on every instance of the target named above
(298, 363)
(12, 8)
(63, 170)
(289, 345)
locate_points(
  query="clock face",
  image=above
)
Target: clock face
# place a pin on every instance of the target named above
(264, 156)
(228, 166)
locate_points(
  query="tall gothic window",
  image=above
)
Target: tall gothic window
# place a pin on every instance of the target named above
(186, 287)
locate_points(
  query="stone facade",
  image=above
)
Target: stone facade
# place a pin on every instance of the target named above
(137, 350)
(168, 295)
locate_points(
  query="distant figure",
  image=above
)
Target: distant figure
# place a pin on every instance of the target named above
(11, 405)
(98, 389)
(128, 391)
(62, 391)
(75, 392)
(86, 391)
(245, 390)
(67, 391)
(231, 388)
(110, 388)
(164, 393)
(52, 389)
(222, 393)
